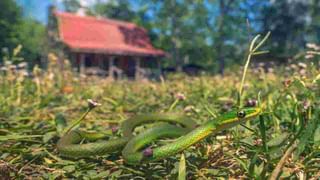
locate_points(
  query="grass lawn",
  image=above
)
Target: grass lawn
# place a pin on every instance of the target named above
(286, 137)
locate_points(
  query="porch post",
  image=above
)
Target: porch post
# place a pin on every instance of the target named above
(82, 63)
(100, 61)
(159, 66)
(73, 61)
(137, 69)
(111, 68)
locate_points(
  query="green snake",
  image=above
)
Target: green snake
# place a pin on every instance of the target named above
(133, 147)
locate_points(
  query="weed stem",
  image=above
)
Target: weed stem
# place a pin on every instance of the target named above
(74, 123)
(276, 172)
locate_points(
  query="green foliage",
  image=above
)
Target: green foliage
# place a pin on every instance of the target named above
(293, 24)
(71, 5)
(33, 111)
(31, 123)
(115, 9)
(10, 18)
(17, 30)
(182, 168)
(206, 33)
(196, 32)
(32, 36)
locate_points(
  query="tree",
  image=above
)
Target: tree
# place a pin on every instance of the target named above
(71, 5)
(220, 37)
(15, 30)
(288, 22)
(174, 12)
(172, 25)
(226, 22)
(313, 31)
(10, 18)
(212, 33)
(115, 9)
(32, 37)
(209, 33)
(293, 24)
(165, 20)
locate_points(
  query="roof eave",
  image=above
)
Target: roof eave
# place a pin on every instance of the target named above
(117, 52)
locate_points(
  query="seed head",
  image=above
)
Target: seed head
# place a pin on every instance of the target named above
(189, 108)
(114, 129)
(306, 105)
(257, 142)
(180, 96)
(3, 68)
(22, 65)
(287, 82)
(92, 104)
(309, 56)
(251, 103)
(313, 46)
(148, 152)
(302, 65)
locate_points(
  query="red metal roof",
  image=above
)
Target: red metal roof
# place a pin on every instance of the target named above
(101, 35)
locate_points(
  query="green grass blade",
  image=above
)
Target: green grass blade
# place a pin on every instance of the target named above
(182, 168)
(17, 137)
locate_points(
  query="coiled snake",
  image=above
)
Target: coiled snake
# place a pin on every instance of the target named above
(133, 148)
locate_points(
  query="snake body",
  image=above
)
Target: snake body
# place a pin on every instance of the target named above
(68, 145)
(187, 134)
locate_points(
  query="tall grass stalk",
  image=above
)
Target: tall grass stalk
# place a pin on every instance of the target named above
(76, 122)
(253, 50)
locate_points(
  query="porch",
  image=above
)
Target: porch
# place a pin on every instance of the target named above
(115, 66)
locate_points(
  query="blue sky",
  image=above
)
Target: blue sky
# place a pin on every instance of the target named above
(38, 9)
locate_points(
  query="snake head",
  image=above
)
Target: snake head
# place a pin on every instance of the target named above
(246, 113)
(239, 116)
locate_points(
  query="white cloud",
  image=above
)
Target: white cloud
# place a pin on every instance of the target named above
(86, 3)
(81, 12)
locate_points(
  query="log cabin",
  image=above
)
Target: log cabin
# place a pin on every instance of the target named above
(103, 46)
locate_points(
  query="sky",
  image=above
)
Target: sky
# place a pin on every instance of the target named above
(38, 9)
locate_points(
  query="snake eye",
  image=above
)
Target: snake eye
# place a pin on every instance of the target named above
(241, 114)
